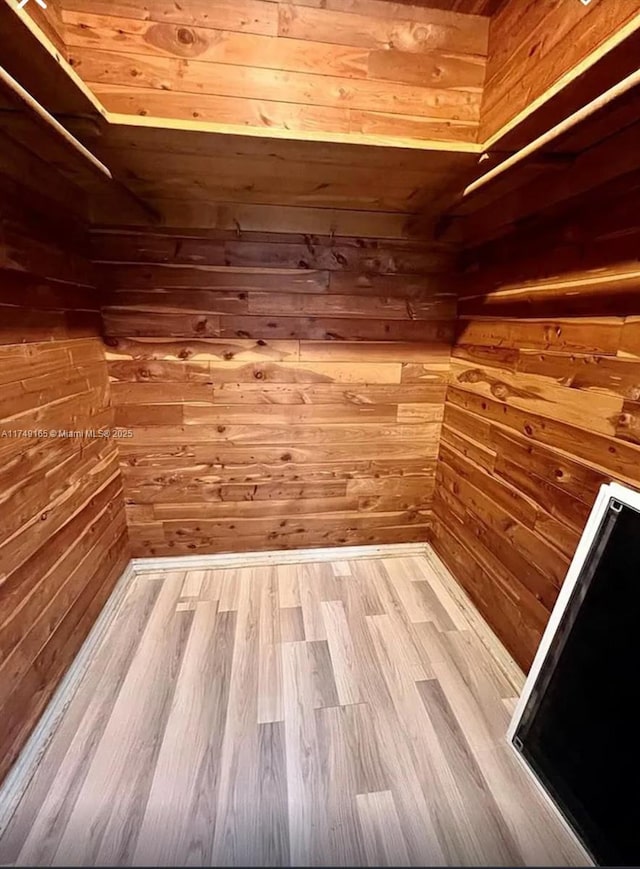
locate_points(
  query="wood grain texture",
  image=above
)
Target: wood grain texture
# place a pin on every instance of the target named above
(469, 7)
(542, 408)
(169, 717)
(49, 20)
(285, 64)
(274, 399)
(232, 182)
(597, 160)
(63, 540)
(532, 45)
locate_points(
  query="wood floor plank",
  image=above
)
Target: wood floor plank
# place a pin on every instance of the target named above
(105, 820)
(328, 713)
(360, 584)
(229, 591)
(365, 749)
(323, 680)
(308, 822)
(291, 624)
(310, 578)
(340, 768)
(270, 704)
(383, 838)
(431, 604)
(34, 832)
(289, 585)
(515, 795)
(177, 828)
(212, 585)
(481, 821)
(403, 583)
(342, 652)
(433, 576)
(397, 620)
(485, 682)
(239, 775)
(415, 753)
(272, 797)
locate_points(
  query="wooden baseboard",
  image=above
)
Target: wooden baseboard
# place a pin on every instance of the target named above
(280, 556)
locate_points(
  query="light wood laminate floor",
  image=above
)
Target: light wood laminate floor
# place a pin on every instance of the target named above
(330, 713)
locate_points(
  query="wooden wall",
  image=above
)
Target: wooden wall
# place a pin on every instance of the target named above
(62, 524)
(373, 67)
(470, 7)
(281, 391)
(49, 20)
(532, 45)
(543, 406)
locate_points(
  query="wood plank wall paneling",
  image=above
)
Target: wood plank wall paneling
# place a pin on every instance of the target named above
(542, 407)
(605, 163)
(49, 20)
(469, 7)
(63, 539)
(371, 67)
(250, 183)
(281, 392)
(532, 45)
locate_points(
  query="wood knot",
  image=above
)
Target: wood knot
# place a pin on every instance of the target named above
(474, 375)
(500, 390)
(185, 36)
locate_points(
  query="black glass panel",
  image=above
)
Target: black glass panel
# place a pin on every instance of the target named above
(580, 728)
